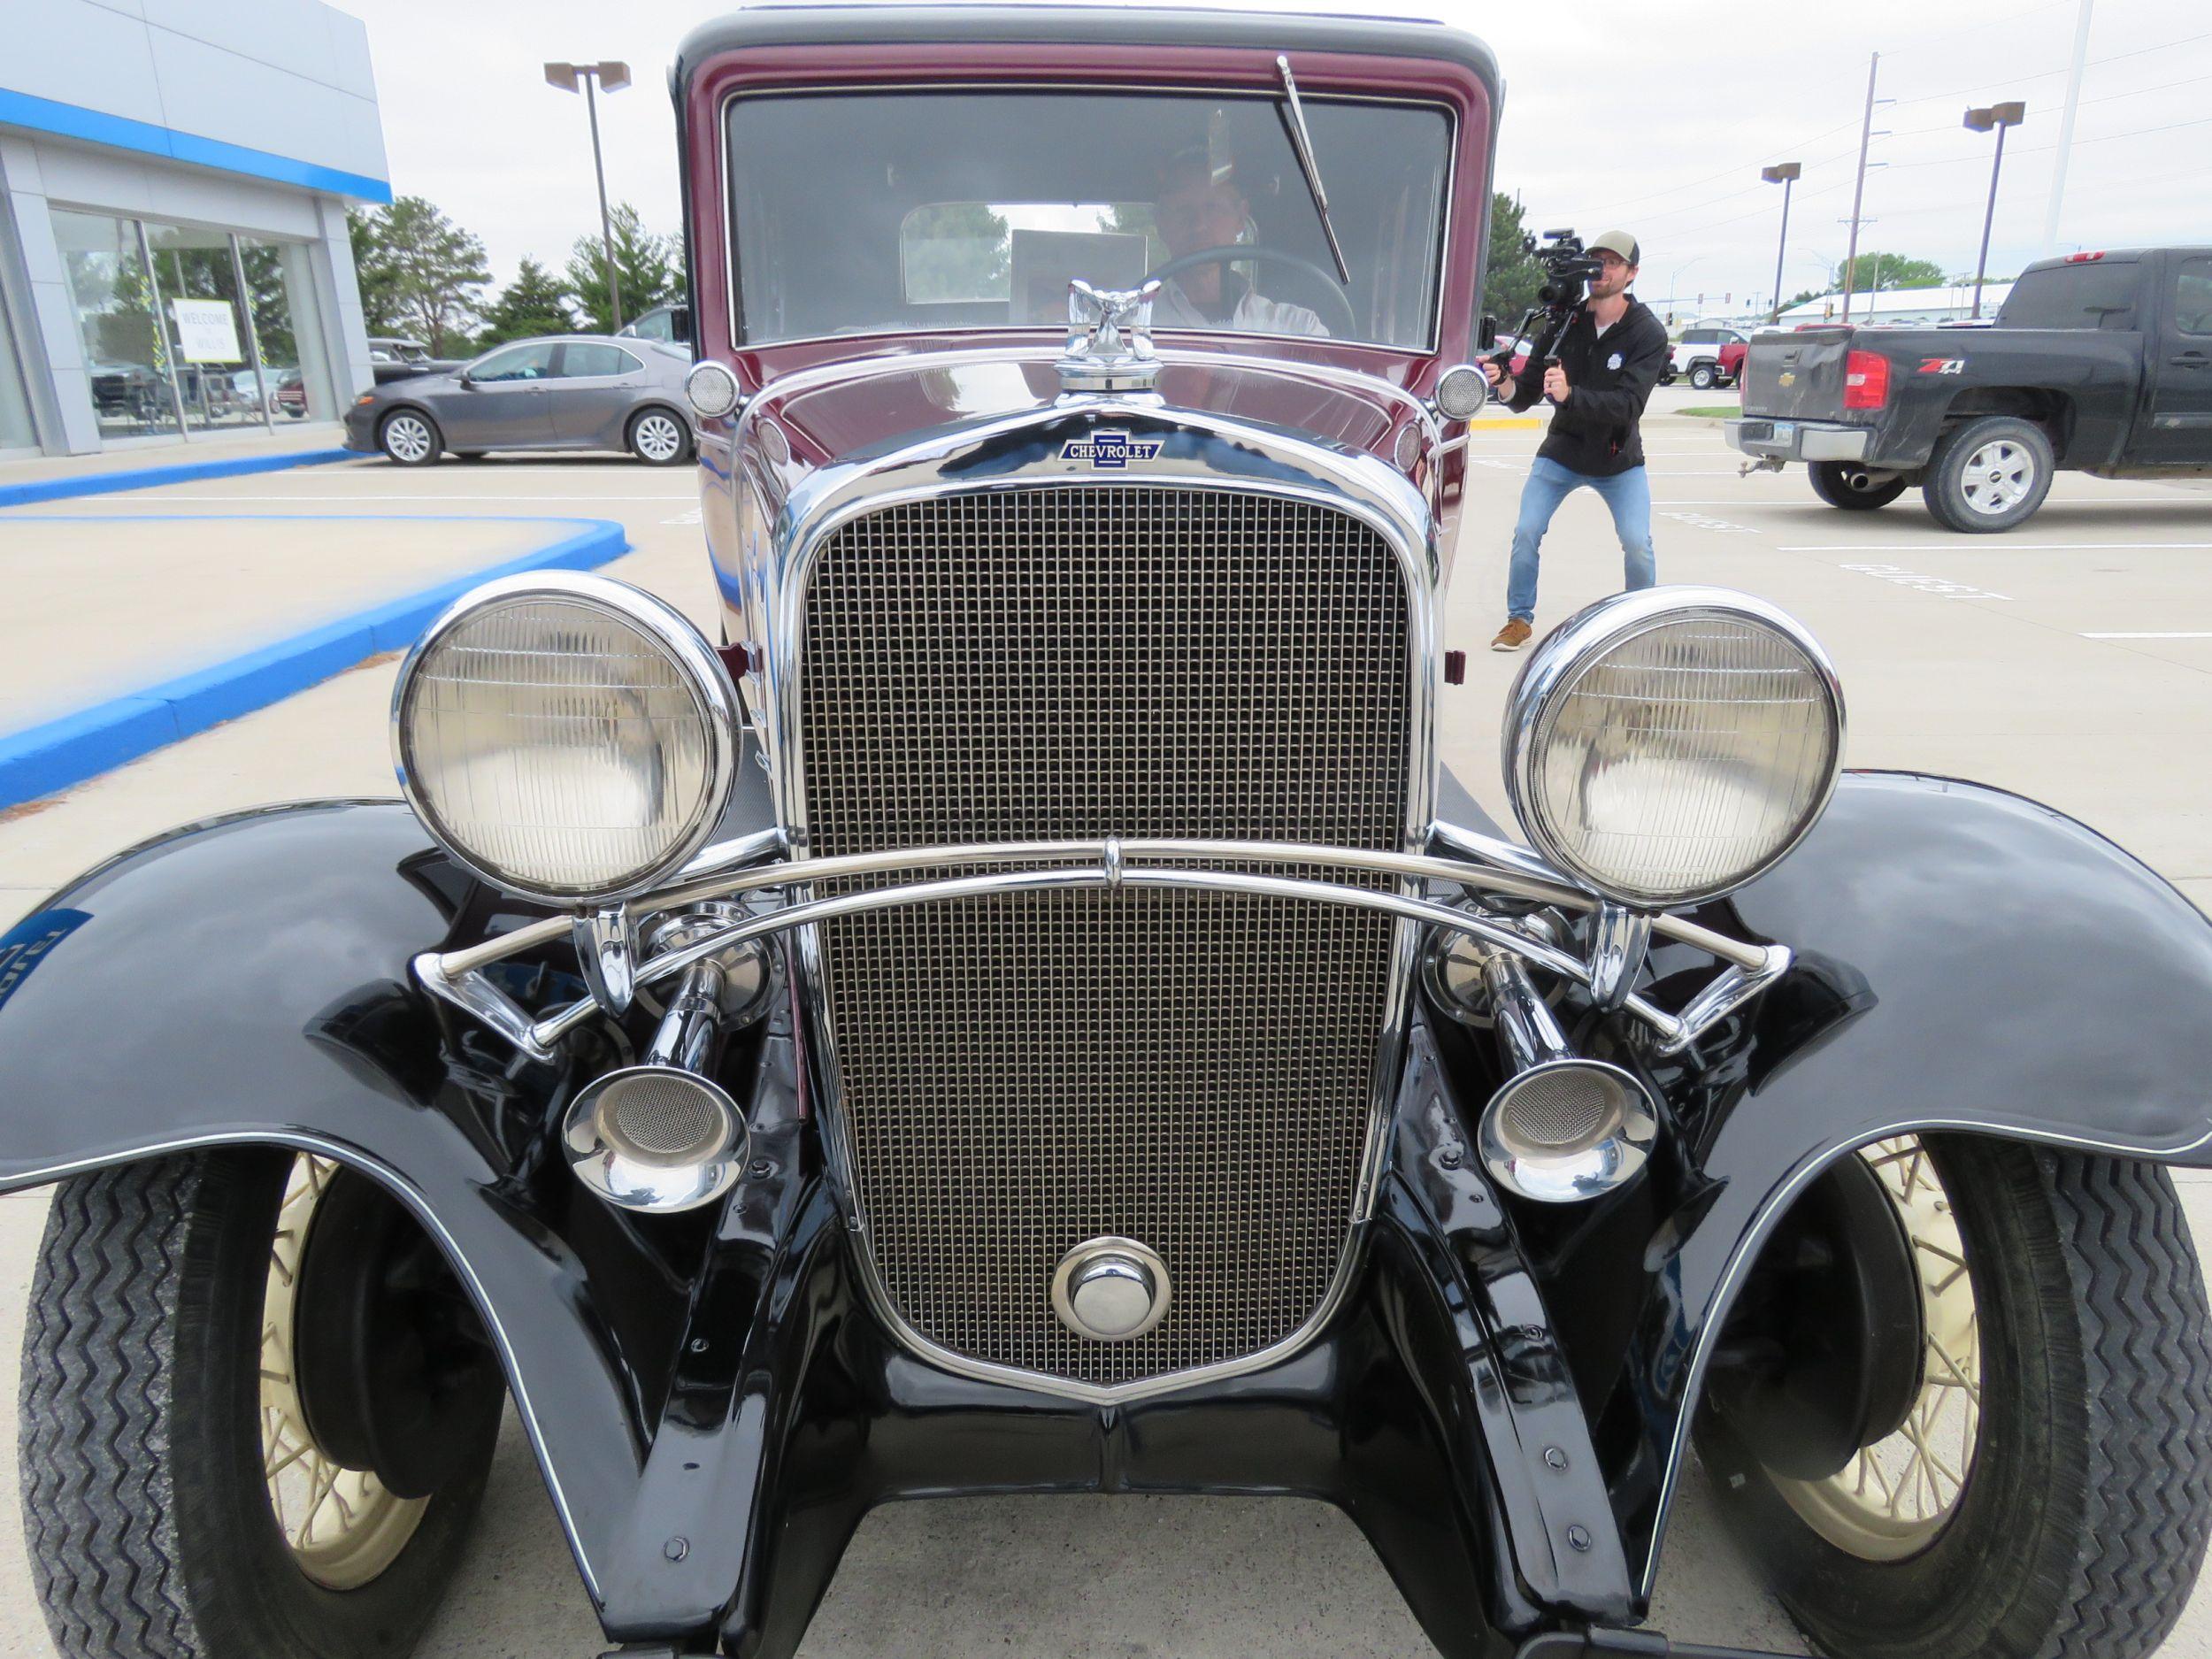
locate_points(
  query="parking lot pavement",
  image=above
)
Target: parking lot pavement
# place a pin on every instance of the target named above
(1984, 658)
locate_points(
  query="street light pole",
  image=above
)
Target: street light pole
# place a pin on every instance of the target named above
(609, 77)
(1785, 174)
(2000, 116)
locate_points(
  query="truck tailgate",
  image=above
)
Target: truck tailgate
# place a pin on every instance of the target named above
(1797, 376)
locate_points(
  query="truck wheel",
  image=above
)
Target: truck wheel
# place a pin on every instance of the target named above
(1701, 377)
(1832, 482)
(410, 437)
(1989, 474)
(175, 1499)
(2048, 1494)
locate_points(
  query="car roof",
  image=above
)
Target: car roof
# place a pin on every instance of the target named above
(985, 24)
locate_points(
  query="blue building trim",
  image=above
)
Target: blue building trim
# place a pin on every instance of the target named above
(76, 484)
(71, 120)
(69, 749)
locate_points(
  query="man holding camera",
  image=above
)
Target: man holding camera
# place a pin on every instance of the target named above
(1597, 374)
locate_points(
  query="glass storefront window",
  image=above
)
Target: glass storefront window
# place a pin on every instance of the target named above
(125, 347)
(281, 278)
(206, 328)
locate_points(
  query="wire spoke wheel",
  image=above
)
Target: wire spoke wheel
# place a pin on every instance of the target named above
(1896, 1496)
(341, 1526)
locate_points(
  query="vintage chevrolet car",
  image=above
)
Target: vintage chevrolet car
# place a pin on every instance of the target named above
(1029, 1014)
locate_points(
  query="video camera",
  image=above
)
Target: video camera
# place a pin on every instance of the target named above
(1568, 271)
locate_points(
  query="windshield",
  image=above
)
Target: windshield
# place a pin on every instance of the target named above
(862, 212)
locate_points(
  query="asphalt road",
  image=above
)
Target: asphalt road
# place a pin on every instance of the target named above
(2072, 661)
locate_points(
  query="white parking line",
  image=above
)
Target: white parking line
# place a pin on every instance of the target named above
(2000, 546)
(2148, 636)
(1936, 586)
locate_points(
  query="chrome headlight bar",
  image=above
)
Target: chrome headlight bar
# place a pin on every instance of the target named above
(1483, 868)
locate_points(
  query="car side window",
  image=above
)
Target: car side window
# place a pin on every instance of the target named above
(580, 360)
(2193, 298)
(531, 361)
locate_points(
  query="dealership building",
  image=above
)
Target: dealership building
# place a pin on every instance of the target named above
(174, 176)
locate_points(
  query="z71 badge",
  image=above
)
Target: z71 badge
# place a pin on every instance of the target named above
(1110, 451)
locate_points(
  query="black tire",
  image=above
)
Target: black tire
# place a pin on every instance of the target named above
(1957, 474)
(2082, 1522)
(1666, 375)
(410, 437)
(659, 436)
(1832, 483)
(150, 1527)
(1702, 376)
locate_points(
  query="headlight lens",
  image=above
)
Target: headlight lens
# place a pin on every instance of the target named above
(566, 736)
(1667, 746)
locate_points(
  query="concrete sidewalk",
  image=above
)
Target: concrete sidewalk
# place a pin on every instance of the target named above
(290, 437)
(102, 605)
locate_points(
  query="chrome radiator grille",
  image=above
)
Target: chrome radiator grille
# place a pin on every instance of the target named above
(1022, 1072)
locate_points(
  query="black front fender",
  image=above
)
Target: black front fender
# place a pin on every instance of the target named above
(246, 981)
(1968, 961)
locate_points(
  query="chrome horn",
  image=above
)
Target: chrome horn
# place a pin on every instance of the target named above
(1562, 1128)
(662, 1135)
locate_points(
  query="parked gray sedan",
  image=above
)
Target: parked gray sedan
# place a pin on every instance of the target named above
(568, 392)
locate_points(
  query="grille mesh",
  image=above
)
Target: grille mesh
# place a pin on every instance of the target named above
(1021, 1073)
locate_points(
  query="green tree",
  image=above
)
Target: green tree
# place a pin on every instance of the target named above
(1512, 275)
(648, 266)
(535, 302)
(1872, 271)
(419, 272)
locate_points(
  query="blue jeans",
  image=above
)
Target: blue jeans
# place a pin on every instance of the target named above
(1629, 495)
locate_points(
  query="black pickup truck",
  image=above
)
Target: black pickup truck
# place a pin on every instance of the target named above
(2098, 363)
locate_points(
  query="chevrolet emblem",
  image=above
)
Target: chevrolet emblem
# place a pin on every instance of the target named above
(1788, 378)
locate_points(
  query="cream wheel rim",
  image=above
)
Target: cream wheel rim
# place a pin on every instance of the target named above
(1897, 1496)
(343, 1527)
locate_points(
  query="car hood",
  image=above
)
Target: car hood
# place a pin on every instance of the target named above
(834, 413)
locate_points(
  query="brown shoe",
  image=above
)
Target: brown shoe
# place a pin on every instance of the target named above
(1512, 636)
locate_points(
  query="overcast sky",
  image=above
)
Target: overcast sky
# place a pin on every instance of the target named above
(1654, 122)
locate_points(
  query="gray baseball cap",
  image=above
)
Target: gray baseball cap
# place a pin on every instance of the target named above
(1620, 241)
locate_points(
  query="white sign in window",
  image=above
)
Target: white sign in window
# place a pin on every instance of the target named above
(207, 331)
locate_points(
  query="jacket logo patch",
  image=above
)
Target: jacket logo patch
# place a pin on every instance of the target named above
(1613, 362)
(1943, 366)
(1110, 451)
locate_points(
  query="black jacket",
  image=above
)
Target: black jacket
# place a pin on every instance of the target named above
(1609, 380)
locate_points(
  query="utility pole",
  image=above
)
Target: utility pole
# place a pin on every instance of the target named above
(612, 77)
(1785, 174)
(1858, 190)
(2065, 128)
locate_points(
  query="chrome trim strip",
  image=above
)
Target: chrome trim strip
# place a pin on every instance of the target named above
(1439, 253)
(1770, 1211)
(1491, 930)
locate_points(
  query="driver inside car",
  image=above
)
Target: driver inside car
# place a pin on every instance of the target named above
(1201, 207)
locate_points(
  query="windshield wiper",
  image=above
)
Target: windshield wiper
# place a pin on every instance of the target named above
(1303, 142)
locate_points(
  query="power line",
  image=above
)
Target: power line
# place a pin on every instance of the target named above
(2045, 149)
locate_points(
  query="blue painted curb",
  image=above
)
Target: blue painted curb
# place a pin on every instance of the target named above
(40, 759)
(148, 477)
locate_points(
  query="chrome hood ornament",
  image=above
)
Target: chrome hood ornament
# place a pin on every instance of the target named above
(1109, 339)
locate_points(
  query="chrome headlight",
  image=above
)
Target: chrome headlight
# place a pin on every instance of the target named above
(1668, 745)
(566, 736)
